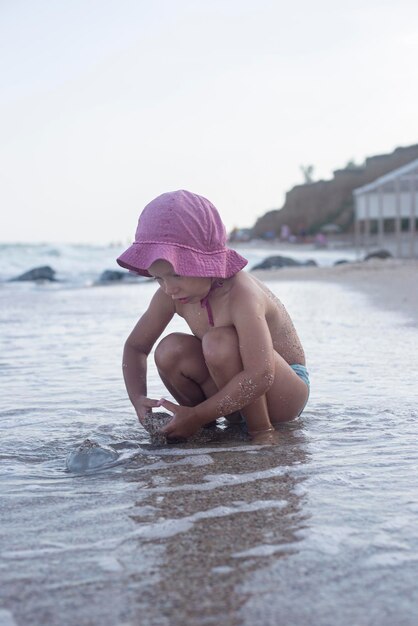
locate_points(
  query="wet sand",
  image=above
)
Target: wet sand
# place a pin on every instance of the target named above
(392, 284)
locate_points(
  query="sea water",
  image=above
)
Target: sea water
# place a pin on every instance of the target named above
(82, 264)
(320, 529)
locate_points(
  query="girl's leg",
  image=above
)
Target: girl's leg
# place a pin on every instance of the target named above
(221, 352)
(283, 401)
(181, 365)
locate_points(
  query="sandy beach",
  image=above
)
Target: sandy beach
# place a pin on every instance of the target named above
(392, 284)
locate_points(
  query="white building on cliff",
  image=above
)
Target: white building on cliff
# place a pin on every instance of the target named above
(386, 211)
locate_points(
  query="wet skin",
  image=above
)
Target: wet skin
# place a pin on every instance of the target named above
(239, 364)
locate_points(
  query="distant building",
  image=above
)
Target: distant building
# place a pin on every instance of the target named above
(311, 206)
(389, 205)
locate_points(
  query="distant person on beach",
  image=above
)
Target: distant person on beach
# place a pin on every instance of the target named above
(243, 357)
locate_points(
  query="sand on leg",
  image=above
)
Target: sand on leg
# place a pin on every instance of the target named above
(283, 401)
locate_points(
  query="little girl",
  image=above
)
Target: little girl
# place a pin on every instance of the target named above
(243, 356)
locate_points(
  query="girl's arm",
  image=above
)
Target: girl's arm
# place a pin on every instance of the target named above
(257, 355)
(137, 348)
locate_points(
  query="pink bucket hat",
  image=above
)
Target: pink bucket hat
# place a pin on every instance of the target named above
(186, 230)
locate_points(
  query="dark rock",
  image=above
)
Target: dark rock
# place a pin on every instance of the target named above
(37, 273)
(116, 276)
(272, 262)
(378, 254)
(341, 262)
(275, 262)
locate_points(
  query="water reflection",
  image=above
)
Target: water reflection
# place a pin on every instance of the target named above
(216, 521)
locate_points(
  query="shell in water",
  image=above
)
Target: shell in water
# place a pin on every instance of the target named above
(89, 456)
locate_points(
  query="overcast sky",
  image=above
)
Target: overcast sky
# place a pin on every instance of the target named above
(105, 104)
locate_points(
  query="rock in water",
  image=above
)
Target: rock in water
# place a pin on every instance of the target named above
(90, 455)
(116, 276)
(378, 254)
(276, 262)
(37, 274)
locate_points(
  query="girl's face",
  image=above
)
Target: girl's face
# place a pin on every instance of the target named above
(184, 289)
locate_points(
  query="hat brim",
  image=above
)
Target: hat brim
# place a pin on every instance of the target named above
(222, 264)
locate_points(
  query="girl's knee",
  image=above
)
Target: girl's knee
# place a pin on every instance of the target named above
(169, 350)
(218, 344)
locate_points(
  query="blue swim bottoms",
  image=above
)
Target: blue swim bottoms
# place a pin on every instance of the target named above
(302, 372)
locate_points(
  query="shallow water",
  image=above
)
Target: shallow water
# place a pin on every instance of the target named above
(321, 529)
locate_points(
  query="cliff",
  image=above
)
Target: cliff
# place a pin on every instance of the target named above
(308, 207)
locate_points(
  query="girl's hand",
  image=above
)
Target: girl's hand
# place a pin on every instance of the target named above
(183, 423)
(145, 406)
